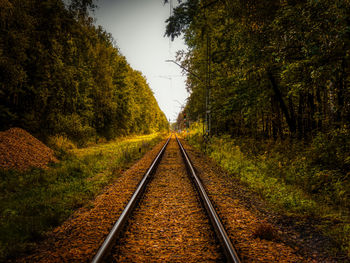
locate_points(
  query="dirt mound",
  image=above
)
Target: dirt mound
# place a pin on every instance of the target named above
(19, 150)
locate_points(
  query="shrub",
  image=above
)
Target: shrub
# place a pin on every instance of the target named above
(73, 128)
(60, 143)
(265, 231)
(331, 150)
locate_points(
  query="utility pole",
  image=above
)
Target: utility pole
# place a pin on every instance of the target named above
(206, 82)
(208, 90)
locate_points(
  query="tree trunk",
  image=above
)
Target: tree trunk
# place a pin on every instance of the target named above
(319, 108)
(300, 116)
(277, 92)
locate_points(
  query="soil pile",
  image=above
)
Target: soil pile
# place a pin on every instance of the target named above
(19, 150)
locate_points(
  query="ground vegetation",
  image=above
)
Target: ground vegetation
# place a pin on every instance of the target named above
(36, 200)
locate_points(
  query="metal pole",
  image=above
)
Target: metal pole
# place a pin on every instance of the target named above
(207, 99)
(209, 86)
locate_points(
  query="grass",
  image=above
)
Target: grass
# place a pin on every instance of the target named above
(35, 201)
(305, 181)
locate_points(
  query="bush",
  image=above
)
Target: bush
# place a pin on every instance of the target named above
(331, 150)
(60, 143)
(265, 231)
(72, 127)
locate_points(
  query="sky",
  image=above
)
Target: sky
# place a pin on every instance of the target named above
(138, 28)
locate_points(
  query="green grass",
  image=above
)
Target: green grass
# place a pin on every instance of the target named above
(35, 201)
(306, 181)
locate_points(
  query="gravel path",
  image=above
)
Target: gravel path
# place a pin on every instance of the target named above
(169, 225)
(78, 238)
(244, 214)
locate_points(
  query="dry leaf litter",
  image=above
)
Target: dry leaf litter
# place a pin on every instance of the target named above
(255, 238)
(169, 224)
(78, 238)
(19, 150)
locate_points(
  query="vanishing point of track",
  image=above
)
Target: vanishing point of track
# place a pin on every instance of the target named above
(191, 217)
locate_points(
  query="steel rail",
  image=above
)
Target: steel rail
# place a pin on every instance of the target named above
(230, 252)
(113, 234)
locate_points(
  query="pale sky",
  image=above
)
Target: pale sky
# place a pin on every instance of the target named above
(138, 28)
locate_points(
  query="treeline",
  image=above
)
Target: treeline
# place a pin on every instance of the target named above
(275, 69)
(60, 74)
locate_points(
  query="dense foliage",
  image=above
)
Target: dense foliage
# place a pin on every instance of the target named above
(277, 75)
(60, 74)
(276, 68)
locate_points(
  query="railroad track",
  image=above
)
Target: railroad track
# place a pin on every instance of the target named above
(164, 204)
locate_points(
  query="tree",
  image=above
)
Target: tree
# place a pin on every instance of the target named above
(62, 75)
(277, 68)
